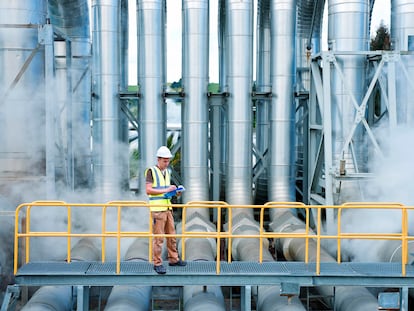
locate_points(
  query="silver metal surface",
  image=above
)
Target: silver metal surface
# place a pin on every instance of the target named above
(347, 31)
(263, 84)
(281, 170)
(402, 39)
(195, 144)
(239, 22)
(105, 103)
(21, 88)
(151, 79)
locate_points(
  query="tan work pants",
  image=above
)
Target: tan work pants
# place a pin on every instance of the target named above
(163, 223)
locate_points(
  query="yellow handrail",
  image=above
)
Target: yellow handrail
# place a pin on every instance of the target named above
(24, 212)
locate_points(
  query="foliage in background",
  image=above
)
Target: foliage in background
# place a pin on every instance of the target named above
(381, 41)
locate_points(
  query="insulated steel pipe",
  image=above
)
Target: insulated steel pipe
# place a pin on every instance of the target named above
(200, 298)
(105, 102)
(151, 80)
(239, 36)
(132, 297)
(59, 298)
(194, 153)
(348, 24)
(222, 143)
(73, 87)
(263, 84)
(402, 28)
(248, 249)
(350, 298)
(281, 170)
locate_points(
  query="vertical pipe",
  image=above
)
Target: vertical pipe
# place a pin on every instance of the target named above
(347, 31)
(50, 112)
(81, 89)
(195, 106)
(239, 76)
(222, 144)
(402, 37)
(106, 107)
(73, 70)
(263, 84)
(151, 79)
(281, 173)
(124, 123)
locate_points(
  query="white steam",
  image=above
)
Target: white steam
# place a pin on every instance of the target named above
(393, 182)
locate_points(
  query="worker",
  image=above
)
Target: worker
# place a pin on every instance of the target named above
(158, 185)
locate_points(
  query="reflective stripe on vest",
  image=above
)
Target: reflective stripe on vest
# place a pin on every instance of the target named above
(159, 182)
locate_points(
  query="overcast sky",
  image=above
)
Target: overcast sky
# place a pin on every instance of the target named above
(381, 11)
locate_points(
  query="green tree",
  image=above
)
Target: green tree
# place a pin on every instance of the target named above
(382, 39)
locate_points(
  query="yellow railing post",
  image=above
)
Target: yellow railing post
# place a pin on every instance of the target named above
(118, 241)
(339, 241)
(404, 245)
(261, 234)
(69, 232)
(318, 243)
(183, 230)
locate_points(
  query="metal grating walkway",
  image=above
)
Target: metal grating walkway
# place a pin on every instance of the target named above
(204, 273)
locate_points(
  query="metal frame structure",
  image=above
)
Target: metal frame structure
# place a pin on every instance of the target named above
(325, 174)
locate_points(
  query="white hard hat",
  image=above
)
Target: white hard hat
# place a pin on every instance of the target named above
(164, 152)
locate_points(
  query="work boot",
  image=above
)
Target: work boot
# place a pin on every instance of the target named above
(180, 263)
(160, 269)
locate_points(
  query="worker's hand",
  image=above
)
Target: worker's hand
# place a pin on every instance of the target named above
(171, 188)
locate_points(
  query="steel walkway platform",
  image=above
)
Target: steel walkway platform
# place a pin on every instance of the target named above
(291, 276)
(204, 273)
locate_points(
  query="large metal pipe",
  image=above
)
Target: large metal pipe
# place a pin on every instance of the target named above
(132, 297)
(309, 24)
(239, 22)
(200, 298)
(281, 171)
(105, 104)
(346, 298)
(402, 28)
(348, 24)
(247, 249)
(59, 298)
(194, 153)
(70, 19)
(151, 79)
(263, 85)
(222, 143)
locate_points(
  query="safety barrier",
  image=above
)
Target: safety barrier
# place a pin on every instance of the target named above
(25, 212)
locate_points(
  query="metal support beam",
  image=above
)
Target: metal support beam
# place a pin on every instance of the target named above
(46, 38)
(246, 297)
(404, 298)
(10, 297)
(327, 134)
(82, 293)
